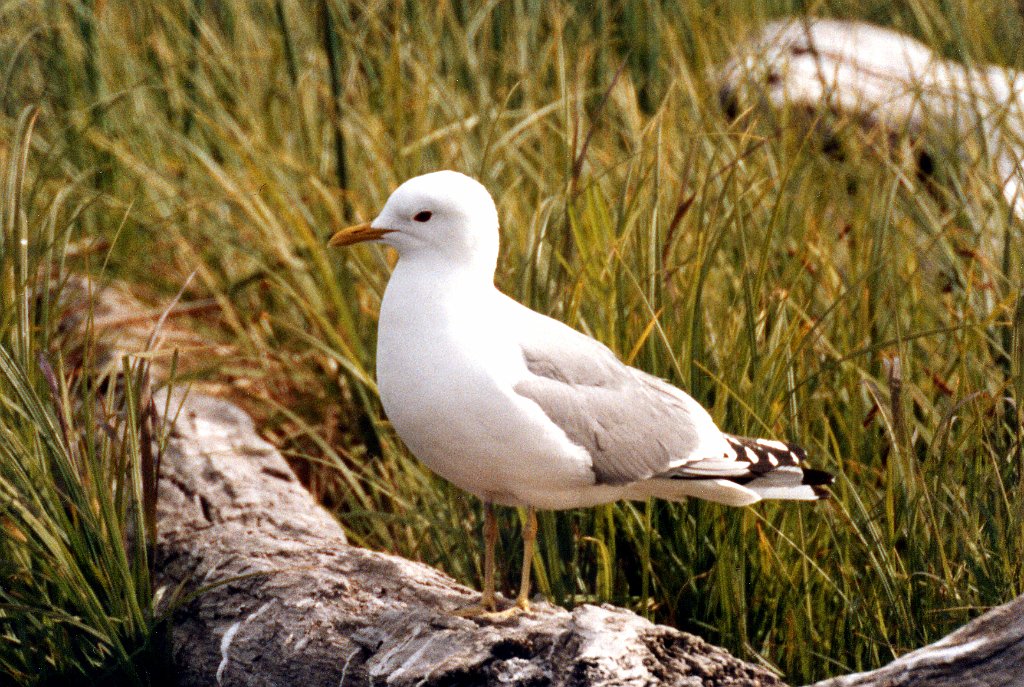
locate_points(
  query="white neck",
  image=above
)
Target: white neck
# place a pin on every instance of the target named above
(431, 270)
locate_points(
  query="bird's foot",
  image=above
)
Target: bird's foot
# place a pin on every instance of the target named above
(487, 610)
(522, 607)
(507, 614)
(473, 611)
(488, 604)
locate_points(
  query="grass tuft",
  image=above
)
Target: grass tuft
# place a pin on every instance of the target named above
(77, 501)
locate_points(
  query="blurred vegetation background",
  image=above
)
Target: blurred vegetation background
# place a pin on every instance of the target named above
(802, 289)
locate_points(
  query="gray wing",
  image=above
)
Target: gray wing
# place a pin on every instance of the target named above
(634, 425)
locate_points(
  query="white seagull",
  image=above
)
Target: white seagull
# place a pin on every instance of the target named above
(522, 410)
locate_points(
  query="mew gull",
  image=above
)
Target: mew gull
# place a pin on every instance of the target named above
(522, 410)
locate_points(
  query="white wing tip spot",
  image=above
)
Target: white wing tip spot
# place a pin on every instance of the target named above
(771, 443)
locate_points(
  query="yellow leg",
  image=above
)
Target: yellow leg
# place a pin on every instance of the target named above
(487, 609)
(488, 600)
(529, 537)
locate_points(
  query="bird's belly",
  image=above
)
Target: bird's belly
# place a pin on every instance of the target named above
(468, 426)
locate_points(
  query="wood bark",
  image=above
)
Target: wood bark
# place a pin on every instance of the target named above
(280, 598)
(986, 652)
(888, 81)
(276, 596)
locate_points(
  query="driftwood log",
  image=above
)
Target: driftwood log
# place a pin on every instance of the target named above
(282, 599)
(278, 597)
(885, 80)
(986, 652)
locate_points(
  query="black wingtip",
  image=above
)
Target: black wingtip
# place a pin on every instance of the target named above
(818, 480)
(817, 477)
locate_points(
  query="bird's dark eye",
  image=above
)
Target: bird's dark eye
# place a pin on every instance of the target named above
(423, 216)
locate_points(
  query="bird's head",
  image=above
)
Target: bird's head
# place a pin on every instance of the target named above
(444, 215)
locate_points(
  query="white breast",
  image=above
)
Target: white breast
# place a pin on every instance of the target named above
(447, 361)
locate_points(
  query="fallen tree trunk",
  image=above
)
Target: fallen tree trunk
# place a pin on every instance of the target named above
(986, 652)
(280, 598)
(284, 600)
(888, 81)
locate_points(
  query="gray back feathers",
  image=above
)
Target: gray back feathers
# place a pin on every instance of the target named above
(634, 425)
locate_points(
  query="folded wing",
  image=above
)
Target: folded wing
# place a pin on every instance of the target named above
(637, 427)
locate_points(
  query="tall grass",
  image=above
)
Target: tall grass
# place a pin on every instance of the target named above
(76, 467)
(832, 300)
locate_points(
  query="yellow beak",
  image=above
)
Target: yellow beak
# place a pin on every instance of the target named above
(357, 234)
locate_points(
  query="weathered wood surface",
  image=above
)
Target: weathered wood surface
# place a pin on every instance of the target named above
(290, 603)
(987, 652)
(885, 80)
